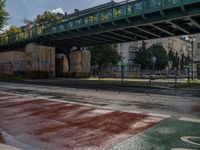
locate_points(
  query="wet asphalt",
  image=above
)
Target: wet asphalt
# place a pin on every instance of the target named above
(80, 114)
(167, 101)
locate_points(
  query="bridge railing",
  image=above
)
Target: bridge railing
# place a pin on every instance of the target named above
(125, 9)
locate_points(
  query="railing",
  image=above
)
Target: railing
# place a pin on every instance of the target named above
(129, 8)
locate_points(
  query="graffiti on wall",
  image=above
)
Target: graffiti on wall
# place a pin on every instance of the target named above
(12, 66)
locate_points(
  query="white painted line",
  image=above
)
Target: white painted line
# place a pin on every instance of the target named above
(11, 94)
(129, 111)
(42, 97)
(8, 97)
(6, 147)
(159, 115)
(190, 119)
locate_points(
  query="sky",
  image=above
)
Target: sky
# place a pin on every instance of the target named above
(29, 9)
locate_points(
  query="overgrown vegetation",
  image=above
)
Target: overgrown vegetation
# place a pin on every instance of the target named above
(42, 23)
(3, 14)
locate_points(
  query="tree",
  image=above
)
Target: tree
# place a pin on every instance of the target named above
(3, 14)
(27, 21)
(47, 18)
(13, 30)
(175, 59)
(14, 33)
(172, 58)
(104, 55)
(160, 54)
(145, 58)
(45, 21)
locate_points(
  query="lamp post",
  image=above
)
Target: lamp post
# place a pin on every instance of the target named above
(153, 60)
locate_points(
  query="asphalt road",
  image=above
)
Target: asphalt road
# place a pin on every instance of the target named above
(176, 103)
(58, 114)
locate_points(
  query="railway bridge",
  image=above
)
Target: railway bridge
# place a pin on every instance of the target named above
(120, 22)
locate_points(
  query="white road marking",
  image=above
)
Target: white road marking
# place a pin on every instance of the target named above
(190, 119)
(159, 115)
(182, 149)
(188, 139)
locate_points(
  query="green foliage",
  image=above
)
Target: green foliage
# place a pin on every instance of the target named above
(27, 21)
(44, 21)
(48, 18)
(3, 14)
(176, 59)
(145, 57)
(171, 56)
(104, 55)
(184, 61)
(160, 54)
(14, 32)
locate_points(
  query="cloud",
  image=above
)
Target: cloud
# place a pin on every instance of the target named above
(58, 10)
(6, 27)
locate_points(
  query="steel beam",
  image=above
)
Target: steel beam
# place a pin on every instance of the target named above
(148, 32)
(90, 40)
(81, 41)
(178, 27)
(129, 32)
(161, 29)
(117, 34)
(111, 37)
(194, 22)
(98, 38)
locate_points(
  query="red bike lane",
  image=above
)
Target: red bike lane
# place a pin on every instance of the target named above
(37, 124)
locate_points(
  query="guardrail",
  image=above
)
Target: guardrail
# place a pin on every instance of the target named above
(125, 9)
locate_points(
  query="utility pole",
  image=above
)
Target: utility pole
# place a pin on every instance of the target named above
(192, 59)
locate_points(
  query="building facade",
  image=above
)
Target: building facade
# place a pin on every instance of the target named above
(196, 54)
(179, 45)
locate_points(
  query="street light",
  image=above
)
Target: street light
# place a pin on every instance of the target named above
(154, 61)
(192, 40)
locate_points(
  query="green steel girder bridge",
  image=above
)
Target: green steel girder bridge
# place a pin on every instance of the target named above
(120, 22)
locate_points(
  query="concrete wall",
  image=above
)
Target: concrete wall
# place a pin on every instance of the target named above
(40, 61)
(65, 64)
(12, 62)
(80, 62)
